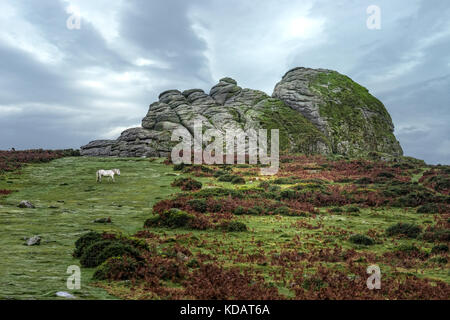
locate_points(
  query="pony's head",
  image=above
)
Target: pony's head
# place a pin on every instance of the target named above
(117, 171)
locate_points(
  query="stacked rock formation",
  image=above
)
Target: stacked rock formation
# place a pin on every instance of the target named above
(317, 111)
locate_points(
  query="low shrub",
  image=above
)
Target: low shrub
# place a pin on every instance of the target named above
(264, 185)
(234, 226)
(173, 218)
(361, 239)
(437, 235)
(219, 192)
(352, 209)
(187, 184)
(364, 180)
(84, 241)
(238, 180)
(407, 229)
(179, 167)
(89, 257)
(198, 205)
(117, 268)
(385, 174)
(226, 177)
(289, 194)
(282, 211)
(428, 208)
(440, 248)
(285, 180)
(239, 210)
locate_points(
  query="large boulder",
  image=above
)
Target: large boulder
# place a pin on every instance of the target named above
(354, 121)
(317, 112)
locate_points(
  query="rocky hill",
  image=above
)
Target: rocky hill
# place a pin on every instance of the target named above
(316, 111)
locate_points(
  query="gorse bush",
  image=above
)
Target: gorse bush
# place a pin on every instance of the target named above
(198, 205)
(117, 268)
(85, 241)
(407, 229)
(440, 248)
(176, 218)
(187, 184)
(428, 208)
(226, 178)
(238, 180)
(99, 251)
(352, 209)
(234, 226)
(361, 239)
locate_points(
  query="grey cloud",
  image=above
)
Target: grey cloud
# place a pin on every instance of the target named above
(58, 111)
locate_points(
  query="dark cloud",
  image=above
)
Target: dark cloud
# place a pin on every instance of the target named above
(61, 88)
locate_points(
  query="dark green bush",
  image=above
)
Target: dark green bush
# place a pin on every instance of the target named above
(407, 229)
(239, 210)
(440, 248)
(283, 211)
(193, 263)
(179, 167)
(364, 180)
(385, 174)
(90, 255)
(415, 198)
(219, 173)
(408, 248)
(84, 241)
(234, 226)
(117, 268)
(254, 211)
(428, 208)
(352, 209)
(117, 249)
(440, 183)
(437, 235)
(226, 177)
(274, 189)
(336, 210)
(264, 185)
(285, 180)
(198, 205)
(238, 180)
(440, 260)
(289, 194)
(361, 239)
(173, 218)
(187, 184)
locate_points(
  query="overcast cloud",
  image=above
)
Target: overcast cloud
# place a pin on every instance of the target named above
(62, 88)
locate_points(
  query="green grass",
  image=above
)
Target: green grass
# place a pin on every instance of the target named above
(69, 184)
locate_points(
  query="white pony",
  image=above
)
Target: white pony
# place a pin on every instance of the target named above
(107, 173)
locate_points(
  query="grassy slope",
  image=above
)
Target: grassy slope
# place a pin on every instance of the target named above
(37, 272)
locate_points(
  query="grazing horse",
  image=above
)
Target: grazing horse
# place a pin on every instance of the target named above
(107, 173)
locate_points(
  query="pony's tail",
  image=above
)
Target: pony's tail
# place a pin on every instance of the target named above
(98, 175)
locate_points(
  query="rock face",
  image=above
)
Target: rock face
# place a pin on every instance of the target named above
(353, 120)
(316, 110)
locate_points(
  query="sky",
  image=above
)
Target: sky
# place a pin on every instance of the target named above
(72, 71)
